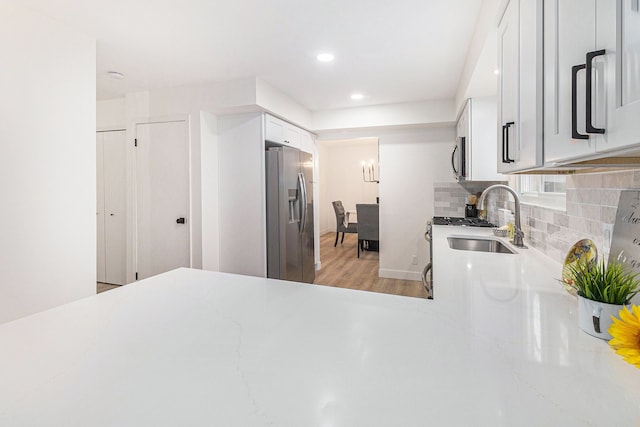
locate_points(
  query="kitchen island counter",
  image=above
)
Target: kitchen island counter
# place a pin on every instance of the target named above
(499, 345)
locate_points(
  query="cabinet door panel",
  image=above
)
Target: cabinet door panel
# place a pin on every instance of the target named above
(630, 51)
(508, 97)
(619, 34)
(274, 129)
(529, 125)
(569, 32)
(292, 136)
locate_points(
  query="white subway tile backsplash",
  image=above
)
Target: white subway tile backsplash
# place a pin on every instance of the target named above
(608, 214)
(450, 198)
(592, 200)
(617, 180)
(561, 219)
(609, 197)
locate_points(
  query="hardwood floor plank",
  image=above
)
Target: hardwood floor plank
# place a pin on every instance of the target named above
(103, 287)
(343, 269)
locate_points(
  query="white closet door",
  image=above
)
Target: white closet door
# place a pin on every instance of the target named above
(115, 203)
(162, 187)
(100, 250)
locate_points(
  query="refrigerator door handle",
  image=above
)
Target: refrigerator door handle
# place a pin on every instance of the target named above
(303, 202)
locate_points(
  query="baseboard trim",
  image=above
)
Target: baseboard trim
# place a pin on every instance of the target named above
(399, 274)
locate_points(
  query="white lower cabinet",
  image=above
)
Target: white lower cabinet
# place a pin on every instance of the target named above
(111, 204)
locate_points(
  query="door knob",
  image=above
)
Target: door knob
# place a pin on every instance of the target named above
(180, 221)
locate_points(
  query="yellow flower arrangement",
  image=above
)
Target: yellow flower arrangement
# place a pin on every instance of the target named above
(626, 335)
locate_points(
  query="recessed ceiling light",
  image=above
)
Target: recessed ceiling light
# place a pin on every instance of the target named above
(357, 96)
(496, 71)
(325, 57)
(115, 75)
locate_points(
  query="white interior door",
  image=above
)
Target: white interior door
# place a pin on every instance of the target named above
(115, 206)
(162, 192)
(111, 180)
(100, 250)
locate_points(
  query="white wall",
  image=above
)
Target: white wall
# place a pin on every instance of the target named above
(419, 114)
(341, 177)
(483, 43)
(210, 192)
(48, 163)
(241, 178)
(411, 160)
(272, 100)
(410, 163)
(111, 114)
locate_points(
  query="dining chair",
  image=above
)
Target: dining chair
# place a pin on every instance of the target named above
(342, 225)
(368, 224)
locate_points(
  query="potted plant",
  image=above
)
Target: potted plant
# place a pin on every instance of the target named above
(602, 291)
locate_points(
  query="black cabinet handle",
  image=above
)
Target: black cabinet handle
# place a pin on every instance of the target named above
(574, 102)
(589, 72)
(453, 165)
(506, 131)
(180, 221)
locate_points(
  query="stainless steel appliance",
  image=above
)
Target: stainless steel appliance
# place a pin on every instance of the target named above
(464, 222)
(459, 160)
(289, 200)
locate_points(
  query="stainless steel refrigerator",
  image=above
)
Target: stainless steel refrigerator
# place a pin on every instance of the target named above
(290, 253)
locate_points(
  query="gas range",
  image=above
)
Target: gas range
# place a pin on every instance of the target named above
(463, 222)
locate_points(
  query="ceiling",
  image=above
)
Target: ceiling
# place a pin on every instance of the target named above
(390, 51)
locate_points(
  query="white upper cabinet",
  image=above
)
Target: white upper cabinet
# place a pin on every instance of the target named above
(520, 87)
(592, 78)
(307, 143)
(569, 32)
(474, 158)
(281, 132)
(617, 92)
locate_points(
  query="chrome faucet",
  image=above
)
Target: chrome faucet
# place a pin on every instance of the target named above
(518, 234)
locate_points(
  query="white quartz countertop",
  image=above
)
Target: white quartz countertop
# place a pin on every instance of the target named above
(498, 346)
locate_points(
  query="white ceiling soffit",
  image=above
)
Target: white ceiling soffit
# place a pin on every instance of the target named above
(351, 141)
(391, 52)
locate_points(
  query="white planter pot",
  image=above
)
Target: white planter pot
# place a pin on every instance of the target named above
(595, 317)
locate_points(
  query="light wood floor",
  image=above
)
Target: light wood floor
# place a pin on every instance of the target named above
(342, 268)
(103, 287)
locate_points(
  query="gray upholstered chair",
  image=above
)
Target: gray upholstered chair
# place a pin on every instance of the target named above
(341, 223)
(368, 224)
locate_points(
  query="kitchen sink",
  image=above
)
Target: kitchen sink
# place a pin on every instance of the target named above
(481, 244)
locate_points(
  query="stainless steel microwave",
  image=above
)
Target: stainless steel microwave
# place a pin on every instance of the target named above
(459, 159)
